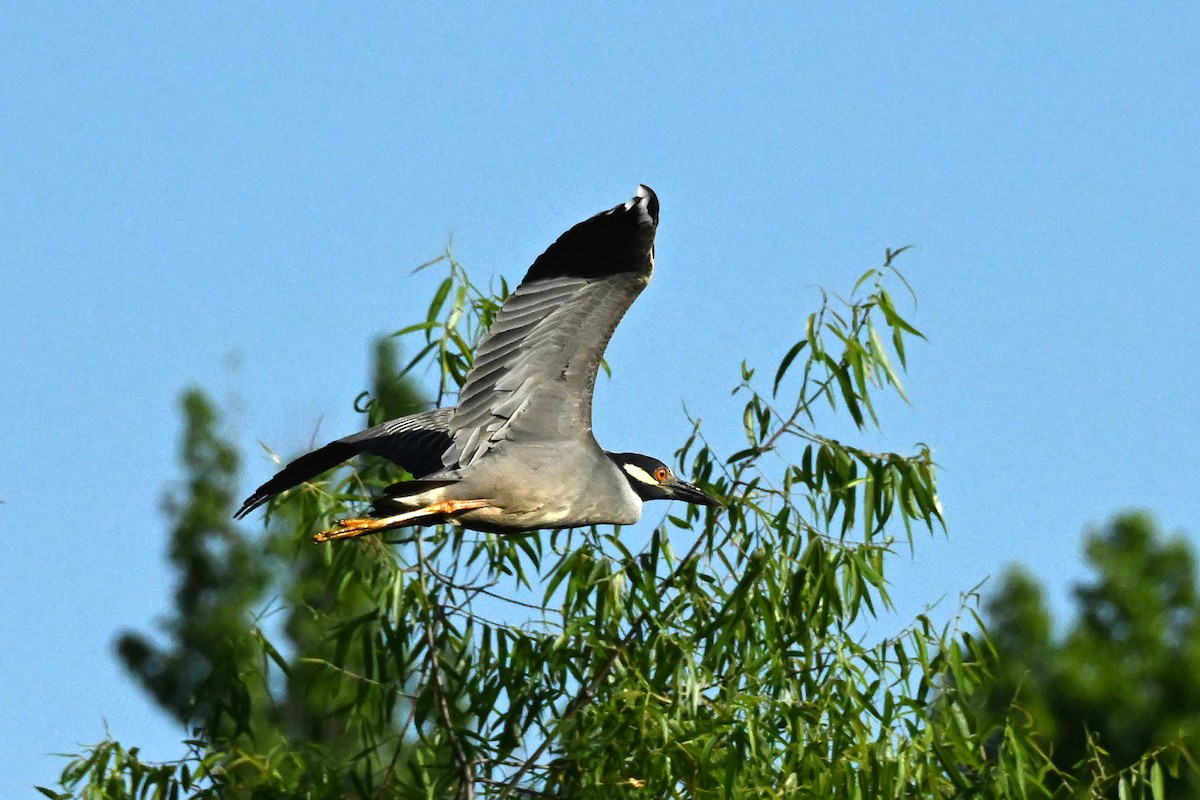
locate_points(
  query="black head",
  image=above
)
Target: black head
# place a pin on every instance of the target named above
(654, 480)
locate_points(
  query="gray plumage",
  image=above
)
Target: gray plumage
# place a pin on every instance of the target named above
(517, 453)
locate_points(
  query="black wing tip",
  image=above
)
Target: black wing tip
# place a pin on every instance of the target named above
(647, 202)
(304, 468)
(414, 443)
(620, 240)
(250, 503)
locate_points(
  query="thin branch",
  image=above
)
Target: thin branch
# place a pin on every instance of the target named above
(588, 691)
(466, 767)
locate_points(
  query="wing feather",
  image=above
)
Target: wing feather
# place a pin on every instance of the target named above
(535, 370)
(415, 443)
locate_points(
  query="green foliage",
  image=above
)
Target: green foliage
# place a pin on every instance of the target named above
(717, 657)
(220, 580)
(251, 628)
(1117, 696)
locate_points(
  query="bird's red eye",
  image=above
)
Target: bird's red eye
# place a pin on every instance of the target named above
(661, 474)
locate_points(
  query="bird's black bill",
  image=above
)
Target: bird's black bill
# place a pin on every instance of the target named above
(692, 494)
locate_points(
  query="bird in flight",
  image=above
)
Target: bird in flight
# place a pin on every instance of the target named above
(517, 453)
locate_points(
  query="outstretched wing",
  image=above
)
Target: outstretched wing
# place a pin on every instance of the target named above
(415, 443)
(535, 370)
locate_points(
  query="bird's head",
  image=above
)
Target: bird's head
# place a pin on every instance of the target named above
(651, 479)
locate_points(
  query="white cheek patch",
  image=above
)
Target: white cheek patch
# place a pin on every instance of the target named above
(638, 474)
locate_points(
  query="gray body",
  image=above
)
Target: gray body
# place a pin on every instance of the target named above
(521, 437)
(561, 487)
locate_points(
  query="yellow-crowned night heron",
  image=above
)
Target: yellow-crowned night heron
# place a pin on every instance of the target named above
(517, 453)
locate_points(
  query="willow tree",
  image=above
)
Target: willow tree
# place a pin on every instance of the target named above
(719, 658)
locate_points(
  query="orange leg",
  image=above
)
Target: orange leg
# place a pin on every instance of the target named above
(350, 528)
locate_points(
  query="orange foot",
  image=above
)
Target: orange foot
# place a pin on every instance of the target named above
(436, 512)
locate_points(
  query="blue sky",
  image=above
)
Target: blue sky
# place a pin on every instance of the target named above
(234, 196)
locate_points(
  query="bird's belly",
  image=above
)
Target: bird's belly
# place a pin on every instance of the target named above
(549, 515)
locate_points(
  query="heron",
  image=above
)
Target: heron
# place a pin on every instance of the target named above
(517, 453)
